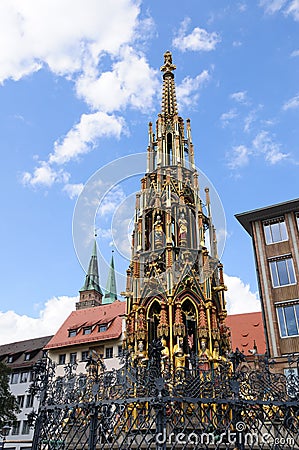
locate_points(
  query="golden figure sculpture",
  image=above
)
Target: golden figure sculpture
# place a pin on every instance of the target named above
(179, 356)
(183, 227)
(158, 232)
(165, 355)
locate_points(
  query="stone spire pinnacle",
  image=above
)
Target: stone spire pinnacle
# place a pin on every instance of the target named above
(169, 103)
(92, 276)
(90, 293)
(111, 292)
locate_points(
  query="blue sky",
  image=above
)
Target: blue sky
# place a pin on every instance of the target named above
(80, 81)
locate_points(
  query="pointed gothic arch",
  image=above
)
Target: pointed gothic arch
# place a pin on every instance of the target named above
(190, 318)
(153, 318)
(169, 152)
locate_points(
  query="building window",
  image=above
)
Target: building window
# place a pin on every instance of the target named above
(87, 330)
(119, 351)
(25, 428)
(73, 358)
(10, 359)
(16, 428)
(27, 357)
(14, 378)
(109, 352)
(288, 318)
(297, 220)
(24, 377)
(72, 333)
(84, 355)
(20, 400)
(275, 230)
(103, 327)
(282, 271)
(32, 375)
(61, 358)
(29, 401)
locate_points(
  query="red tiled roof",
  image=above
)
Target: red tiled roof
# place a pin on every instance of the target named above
(245, 329)
(110, 314)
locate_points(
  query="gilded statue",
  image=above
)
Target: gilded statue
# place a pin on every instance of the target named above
(164, 355)
(183, 228)
(158, 231)
(179, 356)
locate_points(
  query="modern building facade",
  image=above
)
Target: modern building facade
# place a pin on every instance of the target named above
(95, 329)
(175, 287)
(20, 357)
(275, 237)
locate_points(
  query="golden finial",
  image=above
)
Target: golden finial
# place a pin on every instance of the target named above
(168, 67)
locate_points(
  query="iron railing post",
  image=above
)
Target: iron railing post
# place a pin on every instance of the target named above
(93, 428)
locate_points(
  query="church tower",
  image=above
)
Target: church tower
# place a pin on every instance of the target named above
(175, 288)
(91, 294)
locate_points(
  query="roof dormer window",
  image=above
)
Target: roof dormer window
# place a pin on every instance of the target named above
(27, 357)
(10, 359)
(72, 333)
(87, 330)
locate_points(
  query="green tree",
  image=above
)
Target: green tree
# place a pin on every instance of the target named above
(8, 402)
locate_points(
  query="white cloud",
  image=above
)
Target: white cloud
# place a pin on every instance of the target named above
(111, 201)
(79, 140)
(293, 9)
(264, 144)
(292, 103)
(237, 44)
(228, 116)
(272, 6)
(15, 327)
(250, 119)
(73, 190)
(285, 6)
(295, 53)
(242, 7)
(239, 157)
(240, 97)
(44, 175)
(187, 91)
(83, 136)
(130, 82)
(70, 38)
(239, 297)
(104, 233)
(62, 35)
(198, 40)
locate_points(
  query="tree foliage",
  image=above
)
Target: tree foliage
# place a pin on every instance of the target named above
(8, 402)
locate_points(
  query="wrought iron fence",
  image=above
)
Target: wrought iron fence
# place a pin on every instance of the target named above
(231, 406)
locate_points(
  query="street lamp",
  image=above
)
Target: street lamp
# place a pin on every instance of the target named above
(4, 432)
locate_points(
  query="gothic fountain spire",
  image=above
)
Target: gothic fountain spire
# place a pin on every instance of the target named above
(175, 288)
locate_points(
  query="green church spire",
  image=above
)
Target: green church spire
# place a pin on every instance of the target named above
(111, 292)
(92, 276)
